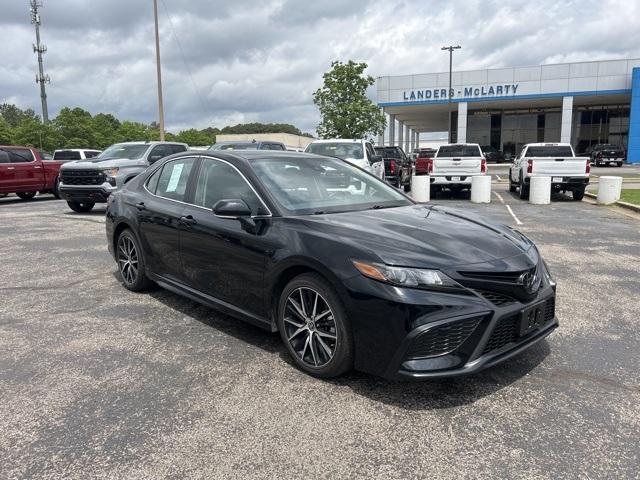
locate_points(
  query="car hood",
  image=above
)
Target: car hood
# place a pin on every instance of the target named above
(95, 163)
(429, 237)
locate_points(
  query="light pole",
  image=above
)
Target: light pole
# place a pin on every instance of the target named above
(451, 48)
(159, 72)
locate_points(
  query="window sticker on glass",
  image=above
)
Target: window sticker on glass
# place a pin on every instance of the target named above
(175, 177)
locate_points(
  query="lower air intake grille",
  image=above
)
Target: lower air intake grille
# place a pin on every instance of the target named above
(505, 331)
(550, 310)
(497, 298)
(441, 340)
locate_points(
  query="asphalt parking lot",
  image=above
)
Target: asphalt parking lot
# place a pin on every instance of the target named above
(99, 382)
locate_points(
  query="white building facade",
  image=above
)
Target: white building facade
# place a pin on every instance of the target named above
(581, 103)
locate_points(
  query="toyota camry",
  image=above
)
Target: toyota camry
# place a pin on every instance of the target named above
(350, 271)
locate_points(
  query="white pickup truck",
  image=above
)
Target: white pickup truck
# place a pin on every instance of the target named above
(453, 166)
(555, 160)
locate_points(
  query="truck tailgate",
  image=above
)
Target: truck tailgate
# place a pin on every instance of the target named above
(456, 166)
(564, 166)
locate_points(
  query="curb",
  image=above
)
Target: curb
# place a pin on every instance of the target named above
(628, 206)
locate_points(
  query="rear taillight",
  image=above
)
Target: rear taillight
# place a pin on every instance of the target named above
(429, 165)
(587, 169)
(529, 166)
(483, 166)
(392, 166)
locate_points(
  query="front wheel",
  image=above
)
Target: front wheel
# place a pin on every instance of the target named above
(407, 186)
(131, 265)
(619, 164)
(314, 327)
(80, 207)
(26, 195)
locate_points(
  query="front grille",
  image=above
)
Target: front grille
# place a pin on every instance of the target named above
(505, 332)
(82, 177)
(498, 299)
(506, 277)
(550, 310)
(441, 340)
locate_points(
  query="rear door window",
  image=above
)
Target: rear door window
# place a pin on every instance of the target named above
(172, 181)
(176, 148)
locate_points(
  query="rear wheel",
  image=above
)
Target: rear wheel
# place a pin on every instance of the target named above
(80, 207)
(578, 194)
(619, 164)
(131, 265)
(26, 195)
(56, 189)
(314, 327)
(524, 189)
(512, 186)
(407, 186)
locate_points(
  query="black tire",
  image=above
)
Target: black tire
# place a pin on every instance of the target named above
(524, 190)
(56, 189)
(130, 261)
(512, 186)
(26, 195)
(619, 164)
(80, 207)
(407, 186)
(333, 330)
(578, 195)
(433, 191)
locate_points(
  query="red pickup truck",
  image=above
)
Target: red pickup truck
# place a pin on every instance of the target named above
(23, 172)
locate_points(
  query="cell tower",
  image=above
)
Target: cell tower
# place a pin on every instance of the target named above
(38, 48)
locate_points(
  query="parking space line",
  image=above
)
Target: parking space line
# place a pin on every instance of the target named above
(499, 197)
(498, 177)
(518, 222)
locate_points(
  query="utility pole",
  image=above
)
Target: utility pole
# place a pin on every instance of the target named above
(159, 72)
(38, 48)
(451, 48)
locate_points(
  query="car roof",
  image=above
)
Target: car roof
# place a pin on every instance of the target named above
(547, 144)
(76, 150)
(339, 140)
(154, 142)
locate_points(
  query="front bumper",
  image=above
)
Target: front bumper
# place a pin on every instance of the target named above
(413, 334)
(87, 193)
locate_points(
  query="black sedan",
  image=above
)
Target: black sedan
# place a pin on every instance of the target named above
(349, 270)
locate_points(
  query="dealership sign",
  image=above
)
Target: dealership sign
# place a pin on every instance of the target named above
(502, 90)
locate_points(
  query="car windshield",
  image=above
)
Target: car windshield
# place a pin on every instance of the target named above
(316, 185)
(234, 146)
(388, 152)
(549, 151)
(458, 151)
(122, 150)
(343, 150)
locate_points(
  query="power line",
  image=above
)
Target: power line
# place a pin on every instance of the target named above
(39, 48)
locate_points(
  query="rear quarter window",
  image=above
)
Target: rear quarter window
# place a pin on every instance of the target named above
(65, 155)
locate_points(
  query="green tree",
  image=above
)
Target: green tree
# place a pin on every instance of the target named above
(130, 131)
(6, 133)
(194, 137)
(345, 109)
(105, 127)
(31, 132)
(14, 115)
(76, 127)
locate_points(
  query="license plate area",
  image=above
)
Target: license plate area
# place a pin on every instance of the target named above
(531, 319)
(455, 179)
(556, 180)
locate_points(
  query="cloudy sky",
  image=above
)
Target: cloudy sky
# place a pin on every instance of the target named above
(227, 62)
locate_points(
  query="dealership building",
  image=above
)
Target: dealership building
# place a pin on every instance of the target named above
(583, 103)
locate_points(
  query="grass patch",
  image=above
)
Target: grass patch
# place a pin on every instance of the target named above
(631, 196)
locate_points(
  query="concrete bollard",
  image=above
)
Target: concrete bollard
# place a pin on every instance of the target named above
(609, 190)
(540, 190)
(420, 188)
(481, 189)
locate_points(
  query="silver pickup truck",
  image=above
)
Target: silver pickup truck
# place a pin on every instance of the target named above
(556, 160)
(86, 182)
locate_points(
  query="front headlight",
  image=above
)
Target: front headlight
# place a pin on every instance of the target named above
(407, 277)
(111, 172)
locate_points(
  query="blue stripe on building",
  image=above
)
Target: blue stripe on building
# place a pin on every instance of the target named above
(633, 149)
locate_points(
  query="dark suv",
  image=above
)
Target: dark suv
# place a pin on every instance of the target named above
(398, 168)
(245, 145)
(607, 154)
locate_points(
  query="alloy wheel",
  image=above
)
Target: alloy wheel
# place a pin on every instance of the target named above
(127, 259)
(310, 327)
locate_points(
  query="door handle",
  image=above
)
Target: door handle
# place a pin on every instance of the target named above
(11, 168)
(140, 206)
(188, 220)
(37, 168)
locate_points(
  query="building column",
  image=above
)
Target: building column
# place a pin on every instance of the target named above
(412, 136)
(417, 139)
(381, 136)
(462, 122)
(567, 115)
(633, 142)
(407, 138)
(392, 129)
(400, 133)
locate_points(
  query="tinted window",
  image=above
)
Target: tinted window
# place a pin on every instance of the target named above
(66, 155)
(426, 153)
(172, 182)
(178, 148)
(161, 150)
(549, 151)
(91, 154)
(235, 146)
(4, 157)
(276, 146)
(605, 147)
(18, 155)
(344, 150)
(152, 182)
(389, 152)
(123, 150)
(306, 185)
(459, 151)
(220, 181)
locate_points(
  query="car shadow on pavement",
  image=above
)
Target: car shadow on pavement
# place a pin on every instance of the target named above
(412, 395)
(12, 200)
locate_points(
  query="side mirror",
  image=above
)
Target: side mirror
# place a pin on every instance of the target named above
(153, 159)
(233, 208)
